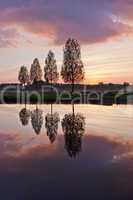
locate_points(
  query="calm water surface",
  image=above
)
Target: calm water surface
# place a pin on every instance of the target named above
(40, 160)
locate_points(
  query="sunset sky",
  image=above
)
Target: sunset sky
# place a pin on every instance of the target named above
(104, 28)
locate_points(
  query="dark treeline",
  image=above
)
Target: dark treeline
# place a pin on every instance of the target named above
(62, 86)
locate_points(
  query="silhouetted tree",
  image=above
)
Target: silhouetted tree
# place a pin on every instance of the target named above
(72, 70)
(23, 77)
(51, 74)
(35, 71)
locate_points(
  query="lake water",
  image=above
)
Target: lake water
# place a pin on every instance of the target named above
(90, 157)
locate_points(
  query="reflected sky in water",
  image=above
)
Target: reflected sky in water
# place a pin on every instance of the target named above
(33, 167)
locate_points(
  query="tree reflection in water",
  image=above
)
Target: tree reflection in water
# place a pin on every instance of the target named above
(24, 116)
(51, 124)
(73, 126)
(37, 120)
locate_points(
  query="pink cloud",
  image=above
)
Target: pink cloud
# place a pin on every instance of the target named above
(8, 37)
(88, 21)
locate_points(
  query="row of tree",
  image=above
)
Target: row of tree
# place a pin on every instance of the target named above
(72, 69)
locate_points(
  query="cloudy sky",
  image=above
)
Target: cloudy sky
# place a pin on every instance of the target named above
(104, 28)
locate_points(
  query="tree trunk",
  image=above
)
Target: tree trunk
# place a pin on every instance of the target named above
(24, 95)
(36, 106)
(72, 91)
(51, 80)
(51, 109)
(72, 99)
(21, 92)
(73, 110)
(72, 82)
